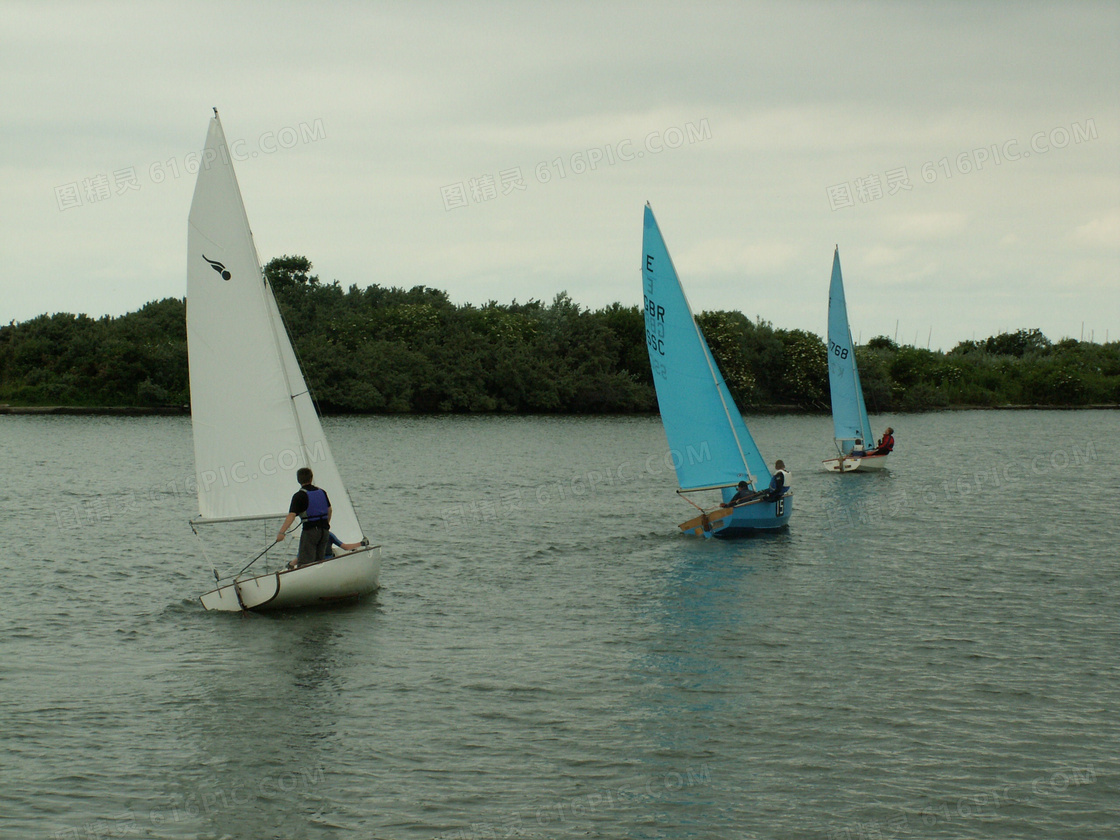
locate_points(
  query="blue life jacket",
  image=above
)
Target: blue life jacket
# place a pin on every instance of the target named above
(317, 506)
(777, 486)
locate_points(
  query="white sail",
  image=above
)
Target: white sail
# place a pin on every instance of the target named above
(253, 418)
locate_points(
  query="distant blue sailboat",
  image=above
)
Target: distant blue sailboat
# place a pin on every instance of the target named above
(711, 447)
(851, 428)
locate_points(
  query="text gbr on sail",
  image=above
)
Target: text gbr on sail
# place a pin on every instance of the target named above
(655, 317)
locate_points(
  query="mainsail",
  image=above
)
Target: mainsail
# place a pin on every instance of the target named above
(849, 414)
(708, 441)
(253, 418)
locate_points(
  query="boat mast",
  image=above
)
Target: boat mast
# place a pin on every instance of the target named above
(278, 338)
(274, 309)
(712, 371)
(856, 386)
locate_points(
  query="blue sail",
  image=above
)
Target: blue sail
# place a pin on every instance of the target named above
(709, 443)
(849, 414)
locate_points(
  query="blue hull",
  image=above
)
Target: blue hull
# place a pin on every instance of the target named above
(751, 519)
(743, 521)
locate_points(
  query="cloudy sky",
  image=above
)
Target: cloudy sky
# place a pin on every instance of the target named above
(964, 156)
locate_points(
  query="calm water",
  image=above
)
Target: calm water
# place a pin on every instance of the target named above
(926, 653)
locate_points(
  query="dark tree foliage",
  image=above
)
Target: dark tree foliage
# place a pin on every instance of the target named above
(391, 350)
(882, 342)
(766, 367)
(139, 359)
(285, 272)
(1017, 344)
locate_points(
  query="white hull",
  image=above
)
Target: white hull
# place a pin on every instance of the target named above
(348, 576)
(868, 463)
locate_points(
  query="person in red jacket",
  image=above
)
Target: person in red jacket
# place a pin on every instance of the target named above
(886, 443)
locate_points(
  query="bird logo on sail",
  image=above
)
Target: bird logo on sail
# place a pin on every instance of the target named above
(218, 267)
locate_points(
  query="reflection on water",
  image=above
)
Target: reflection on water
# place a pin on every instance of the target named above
(264, 721)
(549, 657)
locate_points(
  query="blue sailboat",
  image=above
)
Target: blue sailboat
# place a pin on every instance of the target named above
(850, 425)
(709, 441)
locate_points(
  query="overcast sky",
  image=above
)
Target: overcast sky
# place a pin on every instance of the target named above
(964, 156)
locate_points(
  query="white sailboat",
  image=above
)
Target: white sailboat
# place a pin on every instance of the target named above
(714, 449)
(851, 428)
(253, 418)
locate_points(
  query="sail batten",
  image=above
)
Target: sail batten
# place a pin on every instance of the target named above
(253, 419)
(709, 443)
(851, 427)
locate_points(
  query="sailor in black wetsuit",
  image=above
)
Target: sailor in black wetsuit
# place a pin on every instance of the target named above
(743, 494)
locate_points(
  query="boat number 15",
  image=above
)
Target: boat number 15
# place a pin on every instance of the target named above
(837, 351)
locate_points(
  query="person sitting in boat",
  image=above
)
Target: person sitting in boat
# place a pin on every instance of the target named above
(779, 483)
(886, 443)
(743, 493)
(314, 507)
(332, 541)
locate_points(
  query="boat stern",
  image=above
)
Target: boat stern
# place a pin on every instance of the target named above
(867, 463)
(742, 521)
(222, 599)
(346, 577)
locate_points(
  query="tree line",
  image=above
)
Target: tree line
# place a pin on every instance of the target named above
(389, 350)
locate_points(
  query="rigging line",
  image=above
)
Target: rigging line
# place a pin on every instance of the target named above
(683, 496)
(266, 287)
(720, 391)
(295, 352)
(205, 554)
(273, 306)
(263, 553)
(855, 379)
(268, 295)
(306, 388)
(707, 353)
